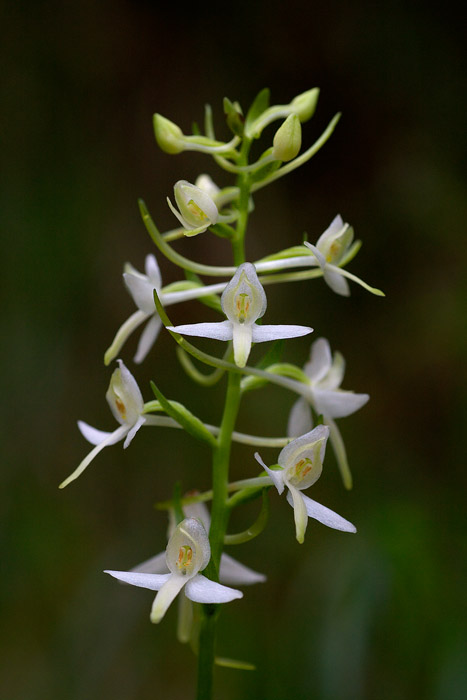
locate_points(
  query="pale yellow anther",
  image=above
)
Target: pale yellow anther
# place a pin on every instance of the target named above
(196, 211)
(242, 303)
(185, 558)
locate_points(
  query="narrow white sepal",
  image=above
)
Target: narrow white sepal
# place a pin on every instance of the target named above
(320, 360)
(336, 282)
(219, 331)
(114, 437)
(154, 565)
(275, 474)
(236, 574)
(264, 333)
(200, 589)
(133, 430)
(319, 256)
(296, 500)
(141, 289)
(122, 335)
(336, 403)
(95, 436)
(153, 582)
(338, 446)
(300, 421)
(148, 338)
(326, 516)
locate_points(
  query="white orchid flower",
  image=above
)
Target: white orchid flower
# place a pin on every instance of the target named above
(230, 571)
(197, 208)
(243, 302)
(141, 287)
(188, 552)
(126, 403)
(329, 250)
(301, 463)
(323, 393)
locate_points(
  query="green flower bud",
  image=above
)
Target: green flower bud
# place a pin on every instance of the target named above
(288, 139)
(169, 136)
(304, 105)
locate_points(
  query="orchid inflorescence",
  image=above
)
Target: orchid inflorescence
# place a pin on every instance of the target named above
(194, 566)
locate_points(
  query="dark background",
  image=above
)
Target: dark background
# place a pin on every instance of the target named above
(378, 615)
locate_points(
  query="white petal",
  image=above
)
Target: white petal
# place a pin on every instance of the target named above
(338, 284)
(141, 289)
(114, 437)
(326, 516)
(242, 336)
(148, 338)
(133, 430)
(320, 360)
(200, 512)
(337, 404)
(152, 271)
(264, 333)
(95, 436)
(154, 565)
(201, 590)
(303, 446)
(300, 420)
(277, 475)
(334, 377)
(219, 331)
(236, 574)
(338, 446)
(244, 285)
(319, 256)
(296, 500)
(166, 595)
(152, 581)
(123, 333)
(124, 396)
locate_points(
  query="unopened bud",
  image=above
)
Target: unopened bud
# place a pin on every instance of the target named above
(288, 139)
(304, 105)
(169, 136)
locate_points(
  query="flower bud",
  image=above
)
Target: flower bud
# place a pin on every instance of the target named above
(196, 207)
(288, 139)
(169, 136)
(304, 105)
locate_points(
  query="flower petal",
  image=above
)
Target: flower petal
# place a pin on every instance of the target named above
(242, 336)
(338, 446)
(95, 436)
(334, 377)
(338, 284)
(296, 500)
(114, 437)
(221, 330)
(303, 446)
(154, 565)
(124, 396)
(320, 360)
(166, 595)
(152, 270)
(319, 256)
(201, 590)
(300, 420)
(123, 333)
(133, 430)
(233, 572)
(148, 338)
(264, 333)
(141, 289)
(325, 515)
(153, 582)
(337, 404)
(276, 475)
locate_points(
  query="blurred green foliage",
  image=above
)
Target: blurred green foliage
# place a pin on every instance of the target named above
(379, 615)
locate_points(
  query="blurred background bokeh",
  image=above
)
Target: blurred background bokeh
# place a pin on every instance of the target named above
(380, 615)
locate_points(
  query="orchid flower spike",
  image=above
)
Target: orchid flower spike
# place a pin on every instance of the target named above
(330, 249)
(126, 403)
(230, 571)
(243, 302)
(325, 374)
(188, 552)
(197, 208)
(301, 464)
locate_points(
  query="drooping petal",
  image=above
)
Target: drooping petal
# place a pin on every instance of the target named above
(264, 333)
(234, 573)
(336, 282)
(337, 404)
(277, 475)
(338, 446)
(242, 336)
(320, 360)
(154, 565)
(166, 595)
(319, 256)
(123, 333)
(300, 421)
(201, 590)
(153, 582)
(148, 338)
(95, 436)
(133, 430)
(325, 515)
(296, 500)
(114, 437)
(221, 330)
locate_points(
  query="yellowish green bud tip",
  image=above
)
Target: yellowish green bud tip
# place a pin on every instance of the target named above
(288, 139)
(169, 136)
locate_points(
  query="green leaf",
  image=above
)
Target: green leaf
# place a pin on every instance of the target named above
(234, 663)
(189, 422)
(258, 106)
